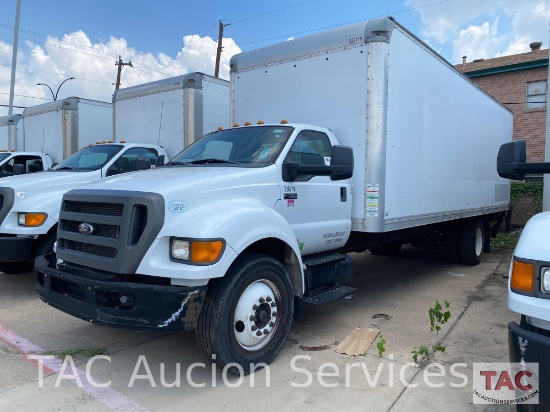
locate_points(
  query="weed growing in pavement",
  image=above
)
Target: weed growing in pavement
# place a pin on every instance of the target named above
(380, 345)
(438, 317)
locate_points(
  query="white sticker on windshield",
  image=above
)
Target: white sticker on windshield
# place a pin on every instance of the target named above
(327, 161)
(265, 151)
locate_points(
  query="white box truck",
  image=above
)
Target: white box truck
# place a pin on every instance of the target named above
(529, 280)
(14, 159)
(159, 118)
(391, 145)
(177, 111)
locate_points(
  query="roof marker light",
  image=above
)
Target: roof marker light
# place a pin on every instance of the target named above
(260, 122)
(235, 124)
(284, 121)
(247, 123)
(220, 128)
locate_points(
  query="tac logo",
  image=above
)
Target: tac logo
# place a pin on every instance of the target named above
(506, 383)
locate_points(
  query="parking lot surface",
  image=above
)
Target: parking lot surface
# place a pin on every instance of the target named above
(162, 372)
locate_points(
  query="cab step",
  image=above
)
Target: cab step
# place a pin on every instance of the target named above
(323, 260)
(329, 295)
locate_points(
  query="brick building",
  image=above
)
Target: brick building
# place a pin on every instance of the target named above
(519, 82)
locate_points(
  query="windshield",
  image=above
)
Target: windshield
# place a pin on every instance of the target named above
(3, 156)
(89, 158)
(253, 145)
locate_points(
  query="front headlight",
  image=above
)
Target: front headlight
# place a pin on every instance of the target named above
(545, 282)
(180, 249)
(199, 252)
(31, 219)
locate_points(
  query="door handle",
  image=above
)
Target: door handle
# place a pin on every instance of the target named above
(343, 194)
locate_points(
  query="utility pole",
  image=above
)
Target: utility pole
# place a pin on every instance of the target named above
(14, 56)
(120, 64)
(219, 51)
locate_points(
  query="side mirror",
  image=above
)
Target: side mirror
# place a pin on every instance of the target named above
(18, 169)
(160, 161)
(510, 156)
(511, 162)
(341, 163)
(341, 166)
(143, 164)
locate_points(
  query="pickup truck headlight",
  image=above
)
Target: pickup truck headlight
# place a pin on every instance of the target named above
(545, 280)
(201, 252)
(31, 219)
(523, 276)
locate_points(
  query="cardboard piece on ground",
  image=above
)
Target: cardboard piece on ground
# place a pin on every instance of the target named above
(358, 341)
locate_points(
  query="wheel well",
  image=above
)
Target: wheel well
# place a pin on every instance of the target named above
(281, 251)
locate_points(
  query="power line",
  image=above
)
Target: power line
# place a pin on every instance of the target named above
(271, 12)
(30, 97)
(55, 74)
(87, 48)
(349, 22)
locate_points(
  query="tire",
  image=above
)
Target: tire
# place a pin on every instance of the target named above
(387, 250)
(12, 268)
(472, 242)
(253, 286)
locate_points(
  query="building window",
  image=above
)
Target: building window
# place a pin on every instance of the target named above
(536, 94)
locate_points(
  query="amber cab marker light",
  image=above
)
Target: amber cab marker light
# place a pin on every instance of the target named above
(235, 124)
(220, 128)
(206, 252)
(523, 276)
(284, 121)
(260, 122)
(247, 123)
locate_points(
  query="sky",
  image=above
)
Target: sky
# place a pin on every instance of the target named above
(83, 38)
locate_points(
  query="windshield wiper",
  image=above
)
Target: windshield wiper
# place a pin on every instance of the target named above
(176, 163)
(67, 168)
(212, 160)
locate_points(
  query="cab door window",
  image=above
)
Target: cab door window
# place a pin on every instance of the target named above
(127, 162)
(310, 148)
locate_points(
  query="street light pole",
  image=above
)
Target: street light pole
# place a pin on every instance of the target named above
(54, 96)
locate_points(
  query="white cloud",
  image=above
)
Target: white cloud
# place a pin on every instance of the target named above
(484, 29)
(94, 69)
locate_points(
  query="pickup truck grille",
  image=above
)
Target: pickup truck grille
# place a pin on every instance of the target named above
(7, 196)
(110, 234)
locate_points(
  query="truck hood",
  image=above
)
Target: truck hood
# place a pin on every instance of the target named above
(533, 242)
(181, 180)
(48, 181)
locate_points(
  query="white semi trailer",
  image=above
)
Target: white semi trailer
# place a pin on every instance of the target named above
(388, 144)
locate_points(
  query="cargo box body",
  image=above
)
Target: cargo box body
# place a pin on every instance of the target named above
(63, 127)
(173, 112)
(11, 134)
(424, 136)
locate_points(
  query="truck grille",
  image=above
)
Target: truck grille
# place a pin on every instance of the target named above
(94, 208)
(7, 196)
(112, 234)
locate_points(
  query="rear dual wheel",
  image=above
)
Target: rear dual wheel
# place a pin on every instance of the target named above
(246, 315)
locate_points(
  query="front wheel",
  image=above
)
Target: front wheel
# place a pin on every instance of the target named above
(246, 315)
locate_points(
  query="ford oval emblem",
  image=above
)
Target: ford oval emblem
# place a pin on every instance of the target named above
(86, 228)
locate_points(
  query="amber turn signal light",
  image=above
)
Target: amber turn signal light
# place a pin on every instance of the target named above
(523, 276)
(206, 252)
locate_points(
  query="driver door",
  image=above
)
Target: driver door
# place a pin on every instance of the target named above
(317, 208)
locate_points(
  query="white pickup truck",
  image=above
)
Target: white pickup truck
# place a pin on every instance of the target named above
(29, 204)
(248, 223)
(529, 281)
